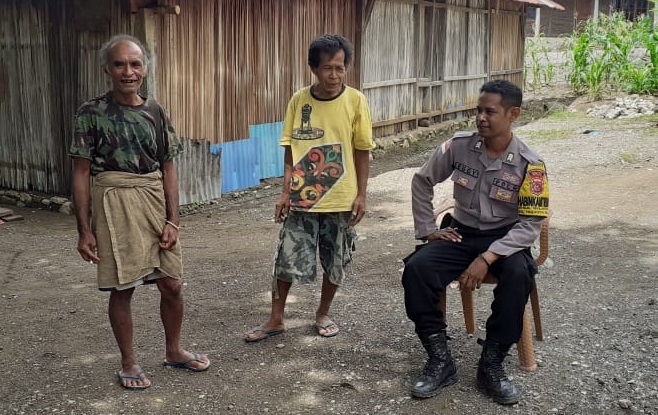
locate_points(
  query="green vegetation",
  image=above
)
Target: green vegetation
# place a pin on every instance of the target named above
(538, 64)
(561, 115)
(545, 135)
(627, 158)
(614, 54)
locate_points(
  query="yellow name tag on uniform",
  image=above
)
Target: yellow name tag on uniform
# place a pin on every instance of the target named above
(533, 195)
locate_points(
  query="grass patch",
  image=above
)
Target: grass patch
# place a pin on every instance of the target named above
(560, 115)
(545, 135)
(627, 157)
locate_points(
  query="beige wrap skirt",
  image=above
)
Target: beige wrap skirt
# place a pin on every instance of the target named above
(128, 218)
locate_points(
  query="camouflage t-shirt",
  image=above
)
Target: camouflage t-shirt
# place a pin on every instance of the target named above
(118, 137)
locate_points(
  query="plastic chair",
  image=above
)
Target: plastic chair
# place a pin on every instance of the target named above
(525, 346)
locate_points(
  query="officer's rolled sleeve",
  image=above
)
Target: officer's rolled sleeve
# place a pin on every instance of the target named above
(437, 169)
(522, 235)
(422, 192)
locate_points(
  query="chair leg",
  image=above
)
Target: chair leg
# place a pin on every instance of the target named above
(525, 347)
(536, 314)
(469, 312)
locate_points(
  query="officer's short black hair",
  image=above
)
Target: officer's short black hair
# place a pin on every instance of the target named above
(329, 44)
(510, 94)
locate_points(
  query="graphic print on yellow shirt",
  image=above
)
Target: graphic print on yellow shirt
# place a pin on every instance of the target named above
(533, 195)
(306, 131)
(315, 174)
(323, 136)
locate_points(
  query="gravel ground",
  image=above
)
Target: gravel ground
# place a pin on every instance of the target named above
(598, 288)
(598, 300)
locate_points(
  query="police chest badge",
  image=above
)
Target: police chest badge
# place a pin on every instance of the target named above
(533, 195)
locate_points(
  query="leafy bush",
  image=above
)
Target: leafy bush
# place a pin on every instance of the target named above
(538, 64)
(613, 54)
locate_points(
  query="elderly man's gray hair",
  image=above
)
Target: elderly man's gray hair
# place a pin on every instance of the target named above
(115, 40)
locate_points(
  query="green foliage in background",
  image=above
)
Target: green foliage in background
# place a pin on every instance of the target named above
(614, 54)
(538, 64)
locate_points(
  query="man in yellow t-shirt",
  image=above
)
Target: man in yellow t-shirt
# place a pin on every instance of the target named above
(327, 136)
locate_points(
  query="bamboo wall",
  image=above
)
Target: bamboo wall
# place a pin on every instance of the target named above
(48, 65)
(428, 59)
(389, 63)
(507, 42)
(254, 57)
(224, 68)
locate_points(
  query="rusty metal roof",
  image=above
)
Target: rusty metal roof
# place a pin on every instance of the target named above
(543, 3)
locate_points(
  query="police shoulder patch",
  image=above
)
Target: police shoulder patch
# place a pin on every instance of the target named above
(463, 134)
(446, 145)
(533, 194)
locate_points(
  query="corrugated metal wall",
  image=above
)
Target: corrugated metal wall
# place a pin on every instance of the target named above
(428, 59)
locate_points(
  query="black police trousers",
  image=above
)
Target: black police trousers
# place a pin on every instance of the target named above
(436, 264)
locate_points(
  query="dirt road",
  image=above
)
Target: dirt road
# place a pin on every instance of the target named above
(599, 304)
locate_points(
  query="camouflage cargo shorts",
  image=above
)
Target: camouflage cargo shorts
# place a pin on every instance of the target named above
(303, 235)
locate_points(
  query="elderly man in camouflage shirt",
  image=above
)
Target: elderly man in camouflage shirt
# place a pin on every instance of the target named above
(126, 144)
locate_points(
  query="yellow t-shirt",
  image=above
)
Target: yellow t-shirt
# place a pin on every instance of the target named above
(323, 135)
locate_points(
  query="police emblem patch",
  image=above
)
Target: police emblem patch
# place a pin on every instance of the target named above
(536, 181)
(533, 195)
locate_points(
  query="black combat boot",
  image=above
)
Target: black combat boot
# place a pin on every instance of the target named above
(491, 377)
(439, 371)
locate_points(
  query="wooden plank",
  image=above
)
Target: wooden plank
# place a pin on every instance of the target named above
(5, 212)
(445, 111)
(394, 121)
(407, 118)
(507, 72)
(390, 82)
(12, 218)
(464, 77)
(426, 84)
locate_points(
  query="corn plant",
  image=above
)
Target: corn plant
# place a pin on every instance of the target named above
(538, 64)
(614, 54)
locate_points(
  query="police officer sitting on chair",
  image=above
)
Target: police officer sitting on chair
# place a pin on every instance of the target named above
(501, 198)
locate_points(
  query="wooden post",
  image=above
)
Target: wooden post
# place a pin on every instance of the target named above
(537, 21)
(145, 31)
(490, 31)
(418, 13)
(359, 30)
